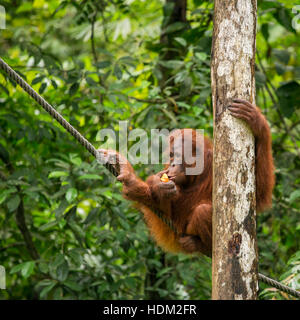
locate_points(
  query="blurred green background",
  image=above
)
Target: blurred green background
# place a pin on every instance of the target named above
(65, 230)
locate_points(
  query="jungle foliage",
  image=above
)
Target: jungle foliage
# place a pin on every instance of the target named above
(65, 230)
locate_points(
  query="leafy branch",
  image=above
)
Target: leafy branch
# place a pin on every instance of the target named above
(20, 213)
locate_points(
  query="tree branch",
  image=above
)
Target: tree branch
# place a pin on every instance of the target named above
(20, 217)
(12, 245)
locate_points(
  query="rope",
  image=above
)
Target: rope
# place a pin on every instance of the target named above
(53, 113)
(62, 121)
(89, 147)
(278, 285)
(168, 222)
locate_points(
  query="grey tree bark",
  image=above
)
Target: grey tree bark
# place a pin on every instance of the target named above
(235, 261)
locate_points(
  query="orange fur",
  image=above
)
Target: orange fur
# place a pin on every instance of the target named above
(162, 234)
(190, 209)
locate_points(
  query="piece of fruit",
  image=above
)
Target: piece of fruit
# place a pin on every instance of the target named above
(164, 178)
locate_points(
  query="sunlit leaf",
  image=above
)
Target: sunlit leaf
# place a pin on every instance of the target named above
(58, 174)
(71, 194)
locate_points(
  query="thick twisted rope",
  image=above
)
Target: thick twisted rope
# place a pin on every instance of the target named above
(53, 113)
(278, 285)
(62, 121)
(88, 146)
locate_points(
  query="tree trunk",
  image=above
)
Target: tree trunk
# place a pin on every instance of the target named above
(234, 264)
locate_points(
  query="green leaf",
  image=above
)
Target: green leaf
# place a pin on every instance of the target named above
(181, 41)
(42, 87)
(4, 153)
(48, 225)
(91, 81)
(183, 105)
(283, 16)
(143, 114)
(13, 203)
(118, 72)
(3, 196)
(91, 216)
(164, 271)
(90, 176)
(5, 193)
(125, 225)
(59, 259)
(25, 6)
(74, 88)
(269, 4)
(282, 55)
(62, 271)
(170, 115)
(76, 256)
(4, 89)
(128, 60)
(172, 64)
(103, 64)
(73, 285)
(45, 282)
(265, 30)
(47, 289)
(289, 97)
(62, 208)
(130, 282)
(186, 87)
(260, 79)
(44, 267)
(175, 27)
(57, 174)
(295, 258)
(71, 195)
(16, 268)
(294, 196)
(37, 80)
(70, 214)
(280, 68)
(75, 159)
(54, 84)
(202, 56)
(27, 268)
